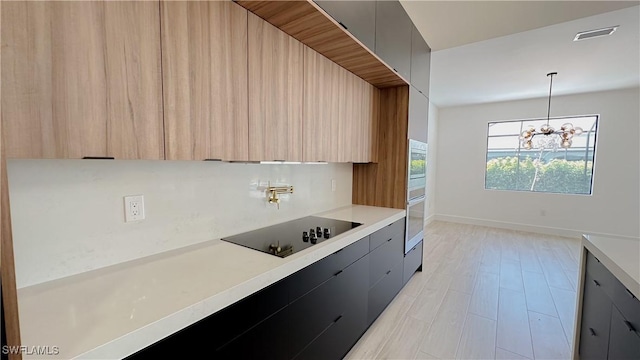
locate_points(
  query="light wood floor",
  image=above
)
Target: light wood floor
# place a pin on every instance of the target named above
(484, 293)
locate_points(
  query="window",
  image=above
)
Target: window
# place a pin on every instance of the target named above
(567, 171)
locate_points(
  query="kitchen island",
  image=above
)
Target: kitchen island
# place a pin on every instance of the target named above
(115, 311)
(608, 310)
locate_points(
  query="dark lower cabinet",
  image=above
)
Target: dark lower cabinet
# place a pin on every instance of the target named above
(248, 314)
(610, 316)
(412, 262)
(381, 294)
(385, 257)
(317, 313)
(315, 274)
(596, 316)
(624, 340)
(343, 305)
(267, 340)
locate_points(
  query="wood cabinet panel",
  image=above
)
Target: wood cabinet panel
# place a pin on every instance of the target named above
(385, 183)
(321, 108)
(204, 71)
(340, 113)
(275, 93)
(81, 79)
(134, 81)
(364, 133)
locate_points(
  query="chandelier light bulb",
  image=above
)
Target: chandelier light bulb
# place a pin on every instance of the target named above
(567, 127)
(577, 130)
(528, 145)
(526, 134)
(566, 143)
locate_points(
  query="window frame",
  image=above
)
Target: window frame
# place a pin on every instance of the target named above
(596, 129)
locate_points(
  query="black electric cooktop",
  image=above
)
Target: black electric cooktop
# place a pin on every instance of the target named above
(290, 237)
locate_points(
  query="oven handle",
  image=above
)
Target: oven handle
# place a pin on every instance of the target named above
(414, 201)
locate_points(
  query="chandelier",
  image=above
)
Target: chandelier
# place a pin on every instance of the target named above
(546, 137)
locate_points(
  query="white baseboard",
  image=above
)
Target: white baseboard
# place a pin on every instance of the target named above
(428, 220)
(517, 226)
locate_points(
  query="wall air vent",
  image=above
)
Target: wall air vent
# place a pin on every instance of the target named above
(595, 33)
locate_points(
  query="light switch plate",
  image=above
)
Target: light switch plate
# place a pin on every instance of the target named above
(133, 208)
(333, 184)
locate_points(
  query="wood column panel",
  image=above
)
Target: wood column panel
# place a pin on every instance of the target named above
(82, 79)
(7, 268)
(385, 183)
(276, 80)
(10, 317)
(204, 72)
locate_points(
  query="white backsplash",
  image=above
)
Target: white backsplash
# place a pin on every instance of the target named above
(68, 215)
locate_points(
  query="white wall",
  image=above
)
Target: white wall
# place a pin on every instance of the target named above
(432, 150)
(68, 216)
(614, 207)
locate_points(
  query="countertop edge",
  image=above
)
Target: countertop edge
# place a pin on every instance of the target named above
(626, 279)
(140, 338)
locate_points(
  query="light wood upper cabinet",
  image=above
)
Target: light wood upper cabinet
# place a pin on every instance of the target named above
(321, 108)
(275, 93)
(365, 122)
(340, 113)
(81, 79)
(204, 58)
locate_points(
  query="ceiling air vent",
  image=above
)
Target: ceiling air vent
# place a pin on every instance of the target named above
(595, 33)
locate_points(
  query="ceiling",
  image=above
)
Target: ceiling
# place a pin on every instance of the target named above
(447, 24)
(514, 66)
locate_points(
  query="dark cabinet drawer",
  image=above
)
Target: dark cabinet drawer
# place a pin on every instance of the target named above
(312, 314)
(221, 327)
(601, 276)
(412, 261)
(622, 298)
(381, 294)
(628, 304)
(266, 340)
(596, 316)
(384, 258)
(315, 274)
(624, 340)
(386, 233)
(336, 341)
(340, 335)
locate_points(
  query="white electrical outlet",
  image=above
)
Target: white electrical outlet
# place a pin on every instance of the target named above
(333, 184)
(133, 208)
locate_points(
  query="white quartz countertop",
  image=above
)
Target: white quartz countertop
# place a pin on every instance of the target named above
(112, 312)
(620, 255)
